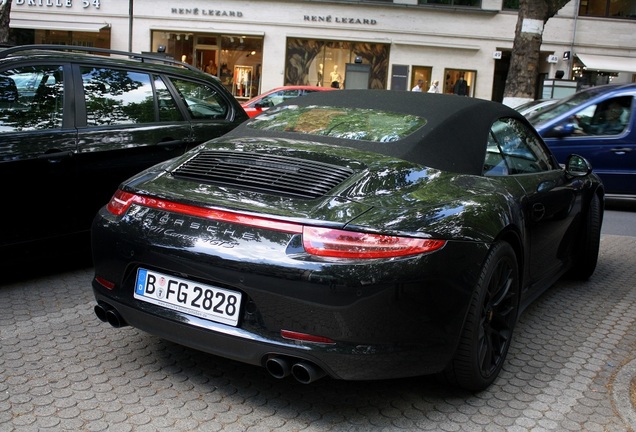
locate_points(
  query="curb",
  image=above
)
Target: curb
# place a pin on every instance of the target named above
(621, 393)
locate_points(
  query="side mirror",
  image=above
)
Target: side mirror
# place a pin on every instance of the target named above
(563, 130)
(577, 166)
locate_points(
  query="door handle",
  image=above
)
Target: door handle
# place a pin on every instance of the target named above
(171, 143)
(621, 150)
(56, 156)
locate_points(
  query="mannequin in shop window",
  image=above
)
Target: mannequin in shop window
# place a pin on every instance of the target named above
(461, 86)
(319, 75)
(336, 78)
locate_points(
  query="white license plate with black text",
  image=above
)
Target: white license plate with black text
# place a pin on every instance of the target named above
(204, 301)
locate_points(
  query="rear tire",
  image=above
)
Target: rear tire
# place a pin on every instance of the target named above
(587, 257)
(490, 321)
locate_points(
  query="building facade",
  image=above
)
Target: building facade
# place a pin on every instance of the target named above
(253, 46)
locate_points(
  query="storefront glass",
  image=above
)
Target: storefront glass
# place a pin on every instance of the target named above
(235, 59)
(590, 78)
(323, 63)
(422, 73)
(608, 8)
(475, 3)
(460, 82)
(100, 39)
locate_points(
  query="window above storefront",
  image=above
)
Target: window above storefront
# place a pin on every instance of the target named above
(511, 5)
(472, 3)
(608, 8)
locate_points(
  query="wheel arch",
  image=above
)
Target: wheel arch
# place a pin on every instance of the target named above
(512, 236)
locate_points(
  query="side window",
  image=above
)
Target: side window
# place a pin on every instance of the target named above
(117, 97)
(609, 117)
(288, 94)
(494, 164)
(272, 99)
(203, 101)
(519, 147)
(168, 110)
(31, 98)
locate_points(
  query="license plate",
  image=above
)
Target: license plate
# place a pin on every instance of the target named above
(204, 301)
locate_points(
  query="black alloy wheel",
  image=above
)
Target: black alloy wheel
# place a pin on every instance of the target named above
(490, 322)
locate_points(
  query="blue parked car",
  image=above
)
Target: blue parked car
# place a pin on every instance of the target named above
(599, 124)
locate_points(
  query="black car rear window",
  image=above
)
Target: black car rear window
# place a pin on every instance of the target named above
(338, 122)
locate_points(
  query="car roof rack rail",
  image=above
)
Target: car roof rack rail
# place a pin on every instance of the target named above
(143, 57)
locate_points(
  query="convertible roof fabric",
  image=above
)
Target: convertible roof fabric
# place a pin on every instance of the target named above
(454, 137)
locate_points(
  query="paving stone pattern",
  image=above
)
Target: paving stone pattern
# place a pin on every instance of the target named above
(568, 369)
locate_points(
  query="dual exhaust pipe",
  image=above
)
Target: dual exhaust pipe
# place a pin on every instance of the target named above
(303, 371)
(107, 313)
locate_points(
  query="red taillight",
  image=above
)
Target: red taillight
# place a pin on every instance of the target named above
(120, 202)
(335, 243)
(325, 242)
(304, 337)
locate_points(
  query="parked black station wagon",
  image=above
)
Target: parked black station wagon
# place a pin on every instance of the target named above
(73, 125)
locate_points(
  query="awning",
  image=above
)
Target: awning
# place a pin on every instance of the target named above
(608, 63)
(57, 25)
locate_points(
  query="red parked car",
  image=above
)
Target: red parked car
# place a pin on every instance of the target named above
(277, 95)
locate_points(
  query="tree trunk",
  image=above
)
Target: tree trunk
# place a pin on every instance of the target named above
(526, 50)
(5, 11)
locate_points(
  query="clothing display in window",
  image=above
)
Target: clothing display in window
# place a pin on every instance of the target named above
(242, 81)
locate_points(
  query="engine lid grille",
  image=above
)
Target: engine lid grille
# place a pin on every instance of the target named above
(266, 173)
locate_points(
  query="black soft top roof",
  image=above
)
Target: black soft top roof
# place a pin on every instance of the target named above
(453, 139)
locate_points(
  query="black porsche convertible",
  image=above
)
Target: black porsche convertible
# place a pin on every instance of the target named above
(358, 234)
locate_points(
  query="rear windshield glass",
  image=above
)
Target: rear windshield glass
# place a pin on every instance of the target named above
(337, 122)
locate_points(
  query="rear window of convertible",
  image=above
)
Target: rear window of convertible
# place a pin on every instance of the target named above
(337, 122)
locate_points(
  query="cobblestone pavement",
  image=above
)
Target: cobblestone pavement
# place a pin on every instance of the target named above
(569, 369)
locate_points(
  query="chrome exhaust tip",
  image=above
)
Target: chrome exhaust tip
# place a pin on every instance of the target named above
(306, 372)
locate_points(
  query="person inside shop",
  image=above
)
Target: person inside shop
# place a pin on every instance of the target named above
(336, 78)
(461, 86)
(434, 88)
(211, 68)
(418, 86)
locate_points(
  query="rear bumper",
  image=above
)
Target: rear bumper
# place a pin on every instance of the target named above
(340, 361)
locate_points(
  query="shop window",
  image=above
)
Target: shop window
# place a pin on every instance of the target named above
(31, 98)
(459, 82)
(223, 55)
(324, 63)
(608, 8)
(421, 73)
(240, 59)
(472, 3)
(511, 5)
(100, 39)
